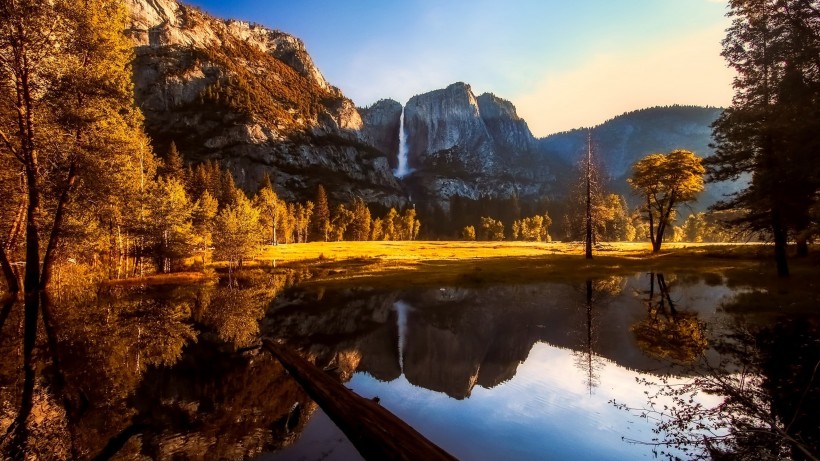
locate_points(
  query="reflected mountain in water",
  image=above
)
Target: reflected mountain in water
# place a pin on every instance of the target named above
(451, 339)
(175, 372)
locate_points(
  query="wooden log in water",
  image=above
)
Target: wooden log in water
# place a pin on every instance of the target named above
(377, 433)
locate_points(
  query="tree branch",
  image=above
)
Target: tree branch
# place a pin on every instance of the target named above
(10, 146)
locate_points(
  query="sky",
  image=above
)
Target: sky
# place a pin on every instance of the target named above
(564, 64)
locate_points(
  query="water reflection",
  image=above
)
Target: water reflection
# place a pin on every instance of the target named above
(495, 372)
(526, 371)
(157, 373)
(769, 397)
(667, 332)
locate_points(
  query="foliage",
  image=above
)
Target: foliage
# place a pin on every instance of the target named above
(769, 134)
(767, 408)
(468, 233)
(665, 181)
(237, 234)
(491, 229)
(534, 229)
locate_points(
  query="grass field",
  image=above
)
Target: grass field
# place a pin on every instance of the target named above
(433, 262)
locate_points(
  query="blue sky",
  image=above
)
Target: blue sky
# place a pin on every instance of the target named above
(564, 64)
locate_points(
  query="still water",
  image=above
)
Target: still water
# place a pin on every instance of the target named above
(616, 368)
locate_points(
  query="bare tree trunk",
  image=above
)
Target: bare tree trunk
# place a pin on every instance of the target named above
(588, 247)
(651, 216)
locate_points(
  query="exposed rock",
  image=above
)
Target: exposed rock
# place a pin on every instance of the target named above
(251, 98)
(460, 145)
(381, 127)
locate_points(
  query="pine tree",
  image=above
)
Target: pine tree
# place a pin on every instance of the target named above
(769, 132)
(173, 166)
(360, 227)
(320, 224)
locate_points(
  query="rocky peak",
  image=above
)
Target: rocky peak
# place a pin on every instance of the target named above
(158, 23)
(447, 120)
(493, 107)
(251, 98)
(510, 132)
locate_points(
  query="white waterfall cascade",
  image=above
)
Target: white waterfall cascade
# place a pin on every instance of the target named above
(402, 308)
(403, 169)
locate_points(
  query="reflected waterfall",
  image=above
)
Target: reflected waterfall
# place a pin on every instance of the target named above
(402, 309)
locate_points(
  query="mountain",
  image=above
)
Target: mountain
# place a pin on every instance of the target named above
(471, 146)
(625, 139)
(252, 99)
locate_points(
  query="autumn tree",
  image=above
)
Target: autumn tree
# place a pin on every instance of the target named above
(341, 222)
(69, 124)
(389, 222)
(171, 218)
(468, 233)
(202, 220)
(271, 211)
(666, 181)
(491, 229)
(236, 233)
(535, 228)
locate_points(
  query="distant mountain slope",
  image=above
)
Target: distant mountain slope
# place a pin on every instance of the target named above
(625, 139)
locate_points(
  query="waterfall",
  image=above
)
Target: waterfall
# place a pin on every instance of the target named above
(401, 322)
(402, 170)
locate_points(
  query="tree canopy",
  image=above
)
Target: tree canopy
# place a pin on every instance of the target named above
(666, 181)
(769, 134)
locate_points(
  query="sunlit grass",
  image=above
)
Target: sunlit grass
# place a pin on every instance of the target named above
(432, 262)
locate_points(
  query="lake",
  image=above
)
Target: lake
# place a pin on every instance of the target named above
(625, 367)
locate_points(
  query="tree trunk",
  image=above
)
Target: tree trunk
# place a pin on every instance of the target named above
(655, 246)
(802, 247)
(12, 281)
(780, 241)
(56, 229)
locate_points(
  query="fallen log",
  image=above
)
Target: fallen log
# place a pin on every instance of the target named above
(377, 433)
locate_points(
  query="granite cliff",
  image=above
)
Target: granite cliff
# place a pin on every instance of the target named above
(251, 98)
(471, 147)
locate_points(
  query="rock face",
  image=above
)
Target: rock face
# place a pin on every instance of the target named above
(251, 98)
(381, 128)
(468, 146)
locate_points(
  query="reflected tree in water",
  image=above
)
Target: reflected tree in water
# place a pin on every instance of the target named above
(110, 367)
(769, 393)
(597, 293)
(667, 332)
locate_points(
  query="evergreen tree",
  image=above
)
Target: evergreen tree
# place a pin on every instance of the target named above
(360, 227)
(770, 131)
(173, 165)
(320, 223)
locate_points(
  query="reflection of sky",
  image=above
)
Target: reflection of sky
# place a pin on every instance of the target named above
(544, 412)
